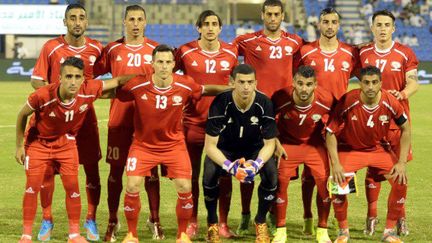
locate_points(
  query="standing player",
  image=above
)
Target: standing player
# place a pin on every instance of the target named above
(159, 100)
(362, 120)
(47, 70)
(270, 52)
(302, 109)
(209, 61)
(398, 65)
(240, 124)
(131, 54)
(60, 109)
(333, 62)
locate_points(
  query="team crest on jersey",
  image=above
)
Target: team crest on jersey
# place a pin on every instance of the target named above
(177, 100)
(92, 60)
(316, 117)
(313, 63)
(345, 66)
(83, 108)
(254, 120)
(195, 64)
(396, 66)
(52, 114)
(288, 50)
(354, 118)
(144, 97)
(147, 59)
(258, 48)
(384, 119)
(225, 65)
(119, 59)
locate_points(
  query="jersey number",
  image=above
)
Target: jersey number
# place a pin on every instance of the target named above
(302, 118)
(131, 164)
(328, 65)
(113, 153)
(134, 60)
(381, 63)
(69, 116)
(275, 52)
(161, 102)
(210, 66)
(370, 123)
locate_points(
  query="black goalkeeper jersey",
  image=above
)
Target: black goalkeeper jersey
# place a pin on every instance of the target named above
(241, 132)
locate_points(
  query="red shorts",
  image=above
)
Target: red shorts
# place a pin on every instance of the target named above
(42, 155)
(140, 161)
(393, 137)
(315, 157)
(380, 162)
(119, 142)
(194, 136)
(87, 139)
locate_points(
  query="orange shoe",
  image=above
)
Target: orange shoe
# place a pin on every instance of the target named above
(25, 239)
(391, 236)
(130, 238)
(184, 238)
(213, 234)
(262, 235)
(192, 230)
(78, 239)
(343, 236)
(225, 231)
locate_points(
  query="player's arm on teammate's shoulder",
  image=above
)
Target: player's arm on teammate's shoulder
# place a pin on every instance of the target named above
(213, 89)
(110, 85)
(398, 172)
(38, 83)
(21, 124)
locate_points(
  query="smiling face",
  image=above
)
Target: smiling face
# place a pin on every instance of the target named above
(329, 25)
(383, 28)
(76, 22)
(210, 28)
(272, 18)
(135, 23)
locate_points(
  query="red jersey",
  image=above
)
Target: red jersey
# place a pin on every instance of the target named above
(54, 53)
(119, 58)
(393, 62)
(332, 69)
(205, 68)
(364, 127)
(53, 118)
(302, 125)
(159, 111)
(272, 59)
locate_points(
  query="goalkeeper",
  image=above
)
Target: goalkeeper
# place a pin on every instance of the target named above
(241, 126)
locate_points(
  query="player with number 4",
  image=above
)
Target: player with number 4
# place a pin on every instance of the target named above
(240, 124)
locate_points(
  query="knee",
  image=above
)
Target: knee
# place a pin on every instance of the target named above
(184, 186)
(133, 185)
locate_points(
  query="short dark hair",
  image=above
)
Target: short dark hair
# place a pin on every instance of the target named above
(134, 8)
(383, 13)
(272, 3)
(162, 48)
(370, 70)
(204, 15)
(74, 62)
(242, 69)
(305, 71)
(74, 6)
(329, 11)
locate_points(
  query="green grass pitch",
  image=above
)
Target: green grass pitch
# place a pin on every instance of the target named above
(12, 181)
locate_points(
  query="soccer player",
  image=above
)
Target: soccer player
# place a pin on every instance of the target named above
(159, 100)
(130, 54)
(362, 119)
(398, 65)
(60, 109)
(302, 109)
(208, 60)
(240, 124)
(47, 71)
(334, 62)
(270, 52)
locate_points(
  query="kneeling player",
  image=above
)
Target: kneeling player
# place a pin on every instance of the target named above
(362, 119)
(240, 124)
(60, 109)
(300, 125)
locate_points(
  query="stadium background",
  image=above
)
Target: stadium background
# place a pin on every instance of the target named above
(25, 25)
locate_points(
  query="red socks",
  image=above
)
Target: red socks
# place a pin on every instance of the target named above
(323, 202)
(396, 203)
(32, 188)
(73, 202)
(372, 194)
(184, 210)
(340, 206)
(132, 207)
(281, 203)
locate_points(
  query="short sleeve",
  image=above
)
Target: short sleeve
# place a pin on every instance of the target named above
(41, 68)
(400, 116)
(94, 87)
(216, 120)
(197, 89)
(412, 62)
(33, 101)
(268, 122)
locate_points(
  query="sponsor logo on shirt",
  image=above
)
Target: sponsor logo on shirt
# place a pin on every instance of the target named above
(286, 116)
(313, 63)
(83, 108)
(194, 63)
(354, 118)
(119, 59)
(62, 60)
(366, 61)
(52, 114)
(258, 48)
(144, 97)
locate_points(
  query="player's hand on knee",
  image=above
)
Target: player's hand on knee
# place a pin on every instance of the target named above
(20, 155)
(398, 173)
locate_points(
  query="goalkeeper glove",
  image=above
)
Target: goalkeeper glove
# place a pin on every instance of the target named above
(257, 164)
(230, 167)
